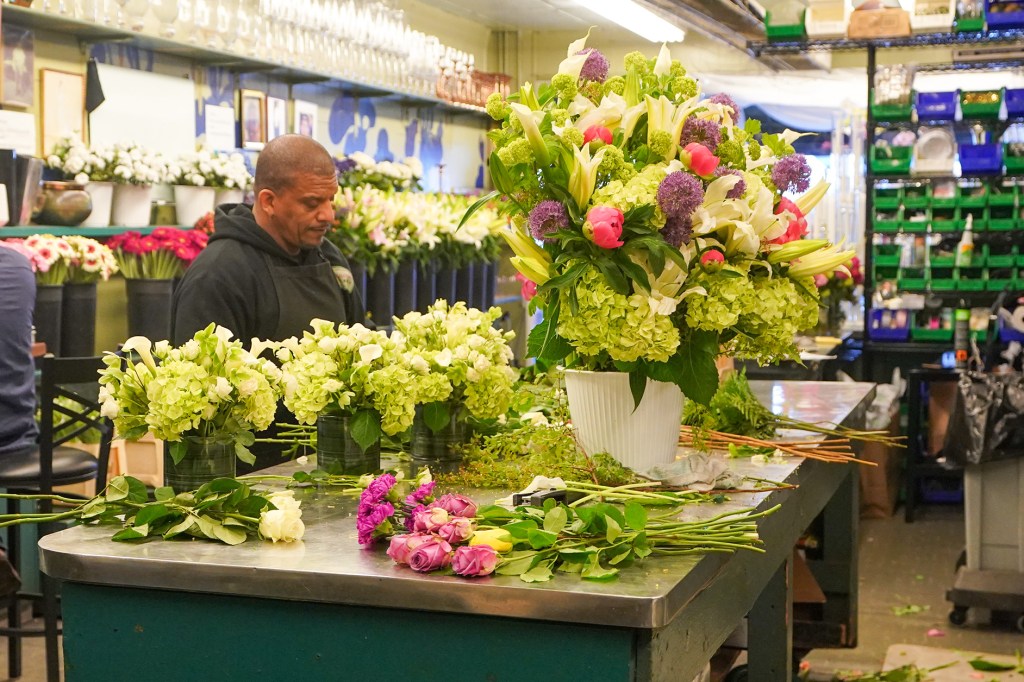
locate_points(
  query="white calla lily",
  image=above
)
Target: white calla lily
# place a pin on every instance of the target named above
(824, 260)
(663, 64)
(583, 176)
(572, 65)
(663, 115)
(748, 220)
(142, 346)
(530, 121)
(608, 114)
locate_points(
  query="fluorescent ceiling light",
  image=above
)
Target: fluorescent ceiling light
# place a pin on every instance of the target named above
(636, 18)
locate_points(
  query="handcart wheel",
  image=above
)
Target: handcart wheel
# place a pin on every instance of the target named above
(958, 616)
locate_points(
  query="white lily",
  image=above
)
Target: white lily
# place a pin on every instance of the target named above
(663, 64)
(663, 115)
(748, 220)
(530, 121)
(608, 114)
(827, 259)
(583, 176)
(142, 346)
(809, 199)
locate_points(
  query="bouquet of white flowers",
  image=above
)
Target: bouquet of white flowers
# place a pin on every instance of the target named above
(204, 168)
(82, 163)
(360, 169)
(134, 165)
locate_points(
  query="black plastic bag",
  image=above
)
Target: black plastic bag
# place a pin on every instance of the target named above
(987, 423)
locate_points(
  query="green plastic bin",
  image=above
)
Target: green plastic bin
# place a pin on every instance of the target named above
(1002, 195)
(940, 201)
(980, 223)
(999, 260)
(891, 160)
(887, 254)
(1002, 218)
(893, 112)
(916, 196)
(888, 197)
(981, 109)
(888, 221)
(784, 33)
(1014, 164)
(913, 279)
(924, 334)
(970, 279)
(969, 24)
(972, 196)
(946, 219)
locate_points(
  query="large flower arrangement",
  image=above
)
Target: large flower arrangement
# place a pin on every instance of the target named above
(51, 257)
(347, 370)
(457, 358)
(204, 168)
(209, 386)
(162, 254)
(360, 169)
(666, 239)
(80, 162)
(91, 261)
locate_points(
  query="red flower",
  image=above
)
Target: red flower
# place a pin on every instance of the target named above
(597, 133)
(712, 259)
(529, 288)
(604, 226)
(797, 227)
(702, 161)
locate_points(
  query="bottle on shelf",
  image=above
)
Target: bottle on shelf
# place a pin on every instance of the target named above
(965, 249)
(961, 334)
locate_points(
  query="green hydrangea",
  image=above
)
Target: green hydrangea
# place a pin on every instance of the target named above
(566, 86)
(616, 84)
(516, 152)
(637, 60)
(639, 190)
(310, 385)
(394, 397)
(433, 388)
(177, 398)
(611, 161)
(497, 107)
(572, 137)
(624, 327)
(719, 310)
(258, 404)
(778, 310)
(730, 152)
(490, 395)
(685, 87)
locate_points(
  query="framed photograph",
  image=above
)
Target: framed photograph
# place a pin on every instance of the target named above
(19, 78)
(63, 96)
(253, 118)
(277, 117)
(305, 118)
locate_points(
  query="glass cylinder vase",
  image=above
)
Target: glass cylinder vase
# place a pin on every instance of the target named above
(441, 450)
(206, 458)
(337, 452)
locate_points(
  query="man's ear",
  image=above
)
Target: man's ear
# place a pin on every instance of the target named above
(265, 200)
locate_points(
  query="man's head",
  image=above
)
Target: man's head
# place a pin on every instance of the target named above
(295, 184)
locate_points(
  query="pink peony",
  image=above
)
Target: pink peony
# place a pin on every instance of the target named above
(475, 561)
(456, 505)
(702, 161)
(820, 280)
(529, 288)
(403, 545)
(604, 226)
(797, 227)
(597, 133)
(712, 259)
(457, 530)
(429, 519)
(430, 556)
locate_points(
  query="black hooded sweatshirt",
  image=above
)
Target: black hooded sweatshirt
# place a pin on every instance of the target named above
(231, 284)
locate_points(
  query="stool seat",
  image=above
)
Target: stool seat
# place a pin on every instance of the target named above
(70, 465)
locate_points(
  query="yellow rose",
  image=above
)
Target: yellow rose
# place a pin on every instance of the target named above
(496, 538)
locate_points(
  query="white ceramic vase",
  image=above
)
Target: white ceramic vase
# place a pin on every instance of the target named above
(228, 196)
(133, 205)
(601, 408)
(102, 194)
(192, 203)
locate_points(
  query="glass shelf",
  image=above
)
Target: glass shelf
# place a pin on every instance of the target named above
(88, 32)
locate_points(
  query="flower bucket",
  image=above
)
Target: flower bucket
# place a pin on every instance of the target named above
(192, 203)
(78, 320)
(444, 284)
(228, 196)
(47, 315)
(601, 409)
(380, 296)
(426, 285)
(358, 271)
(337, 452)
(206, 458)
(132, 205)
(405, 288)
(465, 289)
(149, 307)
(102, 194)
(439, 449)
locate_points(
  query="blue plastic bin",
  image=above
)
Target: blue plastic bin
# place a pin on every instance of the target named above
(1014, 99)
(1007, 334)
(936, 106)
(981, 159)
(998, 21)
(878, 333)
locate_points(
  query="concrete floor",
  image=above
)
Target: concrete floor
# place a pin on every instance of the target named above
(900, 565)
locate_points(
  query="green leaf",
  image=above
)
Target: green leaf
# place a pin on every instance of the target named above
(555, 519)
(541, 539)
(636, 516)
(698, 374)
(574, 555)
(94, 507)
(517, 563)
(752, 126)
(637, 386)
(365, 428)
(593, 570)
(520, 529)
(614, 529)
(117, 489)
(613, 276)
(619, 553)
(163, 493)
(178, 451)
(182, 527)
(990, 666)
(223, 485)
(230, 536)
(136, 533)
(208, 526)
(499, 175)
(477, 205)
(493, 512)
(546, 345)
(640, 546)
(243, 453)
(437, 416)
(252, 506)
(567, 278)
(151, 513)
(635, 273)
(570, 567)
(537, 574)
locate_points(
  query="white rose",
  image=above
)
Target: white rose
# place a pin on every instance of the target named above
(534, 418)
(444, 358)
(279, 525)
(191, 349)
(82, 178)
(419, 365)
(370, 352)
(109, 409)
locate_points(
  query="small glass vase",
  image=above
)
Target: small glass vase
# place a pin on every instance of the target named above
(206, 458)
(337, 452)
(440, 450)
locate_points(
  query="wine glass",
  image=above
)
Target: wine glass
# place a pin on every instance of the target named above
(165, 11)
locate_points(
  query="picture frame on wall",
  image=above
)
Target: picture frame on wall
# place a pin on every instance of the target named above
(277, 117)
(63, 103)
(304, 122)
(252, 107)
(19, 82)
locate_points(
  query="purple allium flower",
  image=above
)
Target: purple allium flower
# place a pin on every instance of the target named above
(739, 188)
(596, 66)
(367, 523)
(420, 494)
(344, 165)
(677, 231)
(546, 217)
(722, 98)
(702, 131)
(679, 195)
(791, 173)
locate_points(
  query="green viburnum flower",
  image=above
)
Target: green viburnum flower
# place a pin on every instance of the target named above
(754, 149)
(516, 152)
(660, 142)
(624, 327)
(637, 60)
(677, 70)
(497, 107)
(515, 126)
(612, 161)
(730, 152)
(572, 137)
(559, 116)
(615, 84)
(566, 86)
(684, 86)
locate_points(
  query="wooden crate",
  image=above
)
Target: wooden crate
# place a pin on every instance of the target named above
(879, 23)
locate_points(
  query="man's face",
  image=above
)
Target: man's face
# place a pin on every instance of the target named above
(300, 215)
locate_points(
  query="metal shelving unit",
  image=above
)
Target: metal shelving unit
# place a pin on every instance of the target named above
(94, 232)
(763, 48)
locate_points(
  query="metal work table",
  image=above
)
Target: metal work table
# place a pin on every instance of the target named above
(324, 608)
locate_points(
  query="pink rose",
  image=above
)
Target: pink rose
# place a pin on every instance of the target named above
(702, 161)
(403, 545)
(604, 226)
(528, 289)
(430, 556)
(456, 505)
(855, 271)
(429, 519)
(820, 280)
(841, 274)
(475, 561)
(712, 259)
(457, 530)
(797, 227)
(597, 133)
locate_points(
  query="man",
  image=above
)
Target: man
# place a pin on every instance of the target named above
(267, 271)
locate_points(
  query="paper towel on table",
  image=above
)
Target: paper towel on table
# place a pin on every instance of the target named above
(696, 471)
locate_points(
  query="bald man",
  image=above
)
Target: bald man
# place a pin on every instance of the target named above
(268, 270)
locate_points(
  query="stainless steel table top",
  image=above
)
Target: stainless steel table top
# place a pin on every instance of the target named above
(329, 566)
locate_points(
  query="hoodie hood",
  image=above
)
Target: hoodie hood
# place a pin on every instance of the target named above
(236, 222)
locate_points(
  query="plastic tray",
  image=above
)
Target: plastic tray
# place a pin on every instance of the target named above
(916, 196)
(918, 334)
(944, 284)
(980, 109)
(981, 159)
(946, 220)
(888, 224)
(1014, 164)
(1005, 196)
(941, 201)
(887, 254)
(783, 32)
(1014, 98)
(1000, 284)
(896, 164)
(885, 333)
(936, 106)
(998, 21)
(970, 196)
(893, 112)
(999, 260)
(1002, 218)
(887, 197)
(969, 24)
(976, 283)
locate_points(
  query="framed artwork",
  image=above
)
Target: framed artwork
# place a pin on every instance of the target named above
(253, 118)
(305, 118)
(63, 96)
(19, 81)
(277, 117)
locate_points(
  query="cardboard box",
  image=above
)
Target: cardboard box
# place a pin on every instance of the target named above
(880, 485)
(879, 23)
